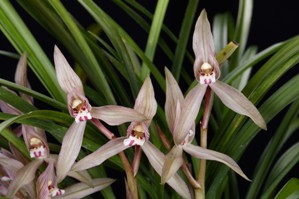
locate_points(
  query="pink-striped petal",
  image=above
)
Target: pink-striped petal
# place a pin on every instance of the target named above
(116, 115)
(202, 153)
(70, 149)
(80, 190)
(24, 176)
(82, 176)
(21, 77)
(203, 46)
(236, 101)
(145, 102)
(106, 151)
(67, 78)
(157, 159)
(203, 42)
(173, 161)
(189, 111)
(174, 96)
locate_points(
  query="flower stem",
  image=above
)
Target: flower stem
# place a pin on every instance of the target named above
(203, 141)
(132, 184)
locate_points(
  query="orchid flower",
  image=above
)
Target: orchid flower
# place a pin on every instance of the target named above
(181, 114)
(207, 72)
(137, 135)
(81, 110)
(35, 139)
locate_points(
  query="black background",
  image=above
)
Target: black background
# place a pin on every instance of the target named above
(272, 21)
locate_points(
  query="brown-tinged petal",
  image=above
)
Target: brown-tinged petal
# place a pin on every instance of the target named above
(24, 176)
(21, 77)
(236, 101)
(80, 190)
(157, 159)
(190, 109)
(67, 78)
(82, 176)
(11, 166)
(202, 153)
(70, 149)
(106, 151)
(36, 141)
(203, 43)
(116, 115)
(136, 161)
(173, 161)
(173, 96)
(145, 102)
(43, 181)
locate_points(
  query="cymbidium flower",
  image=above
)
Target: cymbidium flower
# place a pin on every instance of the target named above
(137, 135)
(207, 72)
(181, 114)
(81, 110)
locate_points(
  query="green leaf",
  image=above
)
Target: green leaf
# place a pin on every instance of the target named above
(21, 38)
(290, 190)
(285, 163)
(76, 33)
(154, 33)
(180, 50)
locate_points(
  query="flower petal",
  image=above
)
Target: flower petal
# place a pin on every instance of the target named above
(202, 153)
(173, 96)
(115, 115)
(82, 176)
(70, 149)
(43, 181)
(190, 109)
(106, 151)
(24, 176)
(173, 161)
(236, 101)
(157, 159)
(203, 43)
(145, 102)
(67, 78)
(21, 77)
(80, 190)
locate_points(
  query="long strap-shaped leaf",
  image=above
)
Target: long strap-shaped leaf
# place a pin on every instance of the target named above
(73, 28)
(154, 34)
(16, 31)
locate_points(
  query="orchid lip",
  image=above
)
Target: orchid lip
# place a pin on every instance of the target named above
(137, 137)
(37, 148)
(207, 74)
(80, 111)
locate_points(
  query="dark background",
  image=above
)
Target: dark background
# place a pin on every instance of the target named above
(272, 22)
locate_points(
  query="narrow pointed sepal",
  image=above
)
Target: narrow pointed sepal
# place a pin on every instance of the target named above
(145, 102)
(157, 159)
(23, 177)
(173, 161)
(207, 154)
(116, 115)
(237, 102)
(67, 78)
(70, 149)
(189, 111)
(106, 151)
(174, 96)
(203, 42)
(82, 176)
(21, 77)
(81, 190)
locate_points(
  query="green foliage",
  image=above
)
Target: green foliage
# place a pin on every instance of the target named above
(115, 65)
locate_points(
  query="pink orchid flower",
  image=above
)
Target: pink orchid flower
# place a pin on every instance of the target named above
(81, 110)
(207, 72)
(137, 135)
(181, 114)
